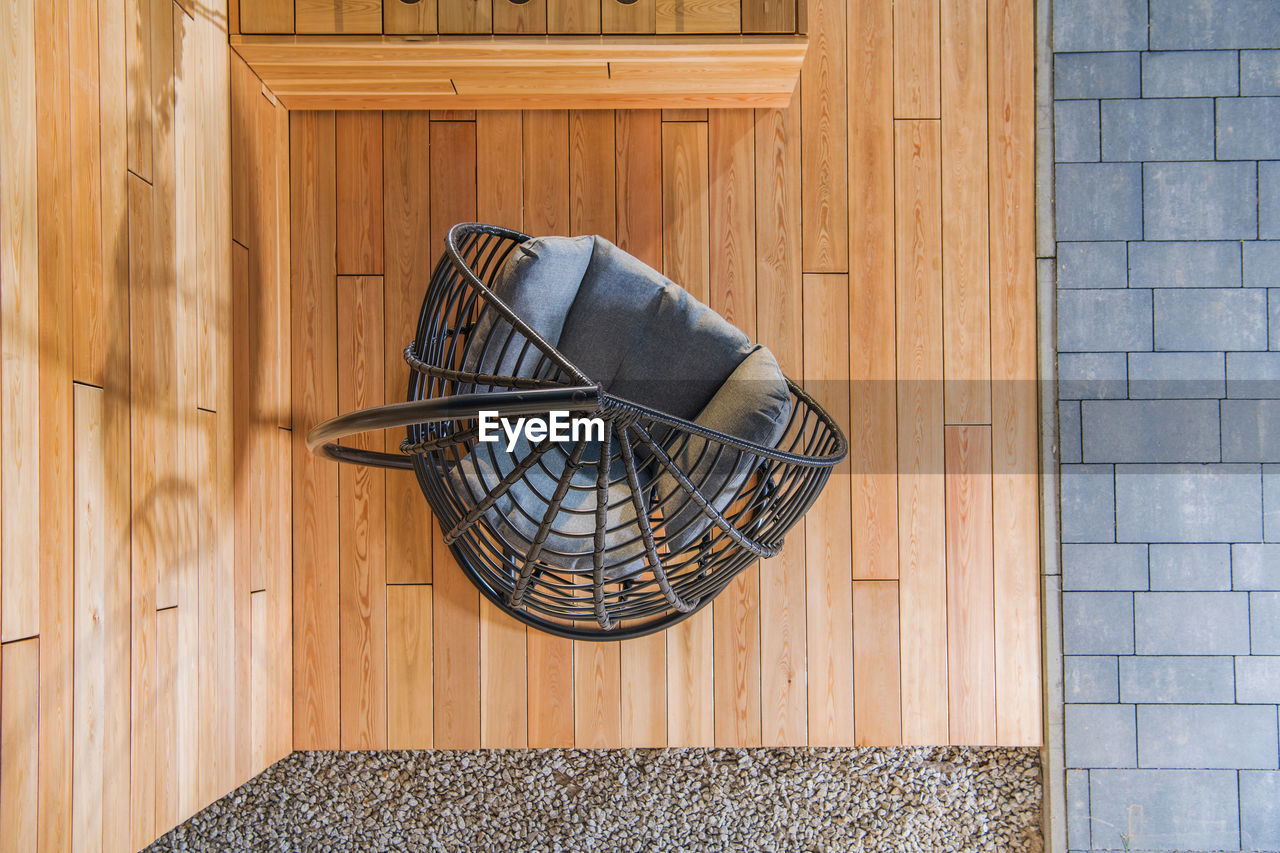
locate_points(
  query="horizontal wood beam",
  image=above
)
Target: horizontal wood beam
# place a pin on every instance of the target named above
(526, 72)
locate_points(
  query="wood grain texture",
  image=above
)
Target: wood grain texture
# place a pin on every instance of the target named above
(527, 17)
(829, 606)
(465, 16)
(690, 682)
(872, 436)
(86, 196)
(1015, 458)
(971, 626)
(917, 59)
(260, 681)
(19, 744)
(698, 16)
(455, 602)
(769, 16)
(401, 18)
(966, 321)
(337, 16)
(638, 168)
(824, 145)
(265, 16)
(406, 139)
(313, 202)
(19, 342)
(784, 691)
(922, 564)
(574, 17)
(877, 708)
(736, 612)
(362, 604)
(636, 17)
(547, 211)
(138, 74)
(89, 715)
(359, 186)
(55, 241)
(686, 239)
(409, 716)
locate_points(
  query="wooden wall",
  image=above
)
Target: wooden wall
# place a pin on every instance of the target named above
(144, 546)
(876, 235)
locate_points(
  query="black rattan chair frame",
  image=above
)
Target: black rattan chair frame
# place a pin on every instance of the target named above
(643, 574)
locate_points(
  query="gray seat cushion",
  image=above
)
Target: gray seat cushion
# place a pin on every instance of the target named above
(644, 339)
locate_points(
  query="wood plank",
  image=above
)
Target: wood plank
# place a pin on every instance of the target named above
(921, 502)
(142, 787)
(244, 191)
(116, 245)
(736, 612)
(546, 172)
(410, 256)
(91, 562)
(877, 709)
(638, 16)
(315, 398)
(409, 717)
(54, 179)
(337, 16)
(362, 600)
(86, 196)
(917, 59)
(873, 451)
(284, 297)
(359, 182)
(528, 16)
(168, 689)
(770, 16)
(504, 696)
(504, 703)
(698, 16)
(1015, 485)
(784, 692)
(260, 680)
(247, 543)
(686, 240)
(591, 173)
(643, 664)
(638, 168)
(138, 63)
(691, 682)
(573, 16)
(499, 169)
(465, 16)
(403, 18)
(455, 602)
(265, 16)
(824, 143)
(281, 592)
(217, 598)
(829, 606)
(453, 115)
(597, 665)
(455, 652)
(971, 638)
(19, 744)
(19, 308)
(966, 300)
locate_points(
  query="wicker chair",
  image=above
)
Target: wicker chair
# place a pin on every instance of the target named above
(600, 536)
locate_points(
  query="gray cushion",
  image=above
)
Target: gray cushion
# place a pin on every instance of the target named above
(647, 340)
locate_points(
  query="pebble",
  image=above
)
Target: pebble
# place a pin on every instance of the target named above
(810, 799)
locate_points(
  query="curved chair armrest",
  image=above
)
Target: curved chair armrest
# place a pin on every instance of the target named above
(322, 439)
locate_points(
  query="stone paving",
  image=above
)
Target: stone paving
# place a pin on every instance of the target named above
(1167, 192)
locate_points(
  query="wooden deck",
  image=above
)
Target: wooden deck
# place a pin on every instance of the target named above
(877, 235)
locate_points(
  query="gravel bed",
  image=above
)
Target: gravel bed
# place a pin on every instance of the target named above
(901, 799)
